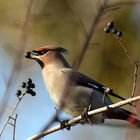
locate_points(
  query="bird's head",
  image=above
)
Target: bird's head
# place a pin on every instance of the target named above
(44, 55)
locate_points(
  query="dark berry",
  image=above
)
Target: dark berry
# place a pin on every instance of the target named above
(107, 29)
(114, 31)
(18, 93)
(28, 54)
(23, 85)
(29, 91)
(29, 81)
(33, 93)
(32, 85)
(110, 24)
(119, 33)
(28, 86)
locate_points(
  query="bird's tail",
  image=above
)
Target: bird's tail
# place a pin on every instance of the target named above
(122, 114)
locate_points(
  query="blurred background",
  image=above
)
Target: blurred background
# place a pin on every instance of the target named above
(29, 24)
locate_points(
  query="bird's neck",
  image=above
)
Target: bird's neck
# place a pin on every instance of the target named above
(57, 61)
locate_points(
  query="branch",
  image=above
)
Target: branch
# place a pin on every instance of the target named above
(28, 86)
(136, 66)
(77, 119)
(14, 129)
(10, 116)
(89, 35)
(118, 34)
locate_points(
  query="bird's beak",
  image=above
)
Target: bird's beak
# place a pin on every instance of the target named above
(30, 55)
(34, 55)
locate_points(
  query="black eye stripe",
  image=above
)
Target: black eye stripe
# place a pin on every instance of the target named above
(40, 52)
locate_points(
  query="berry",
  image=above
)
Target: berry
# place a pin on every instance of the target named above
(27, 54)
(29, 91)
(28, 86)
(23, 85)
(29, 81)
(114, 31)
(119, 33)
(18, 93)
(107, 29)
(33, 93)
(32, 85)
(110, 24)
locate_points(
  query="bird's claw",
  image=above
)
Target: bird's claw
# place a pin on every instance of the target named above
(106, 91)
(64, 124)
(85, 115)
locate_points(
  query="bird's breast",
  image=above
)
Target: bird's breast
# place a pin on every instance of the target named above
(56, 83)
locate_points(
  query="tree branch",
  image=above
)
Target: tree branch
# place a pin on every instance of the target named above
(10, 116)
(77, 119)
(14, 129)
(98, 17)
(136, 66)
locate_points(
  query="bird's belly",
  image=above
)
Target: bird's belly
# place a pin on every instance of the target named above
(76, 99)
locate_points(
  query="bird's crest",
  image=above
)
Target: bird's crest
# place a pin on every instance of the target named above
(51, 48)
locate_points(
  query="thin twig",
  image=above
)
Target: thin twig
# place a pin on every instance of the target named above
(79, 118)
(14, 129)
(135, 66)
(135, 70)
(10, 116)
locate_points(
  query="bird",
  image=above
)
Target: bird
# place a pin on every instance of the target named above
(76, 91)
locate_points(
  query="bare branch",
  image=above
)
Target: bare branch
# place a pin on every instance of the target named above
(14, 129)
(135, 66)
(10, 116)
(98, 17)
(77, 119)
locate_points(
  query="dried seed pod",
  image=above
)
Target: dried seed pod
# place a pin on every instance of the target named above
(18, 93)
(107, 29)
(110, 24)
(23, 85)
(119, 33)
(114, 31)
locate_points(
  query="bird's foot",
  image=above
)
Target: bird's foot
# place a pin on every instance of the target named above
(85, 115)
(106, 91)
(65, 124)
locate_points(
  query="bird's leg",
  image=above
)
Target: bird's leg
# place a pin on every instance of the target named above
(63, 124)
(103, 99)
(85, 115)
(106, 91)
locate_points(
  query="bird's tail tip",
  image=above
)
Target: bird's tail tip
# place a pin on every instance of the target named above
(134, 120)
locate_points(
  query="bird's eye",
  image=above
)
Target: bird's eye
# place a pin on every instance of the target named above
(43, 52)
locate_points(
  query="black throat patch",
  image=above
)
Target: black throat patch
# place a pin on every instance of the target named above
(40, 62)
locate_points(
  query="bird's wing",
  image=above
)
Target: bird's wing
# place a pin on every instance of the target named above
(83, 80)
